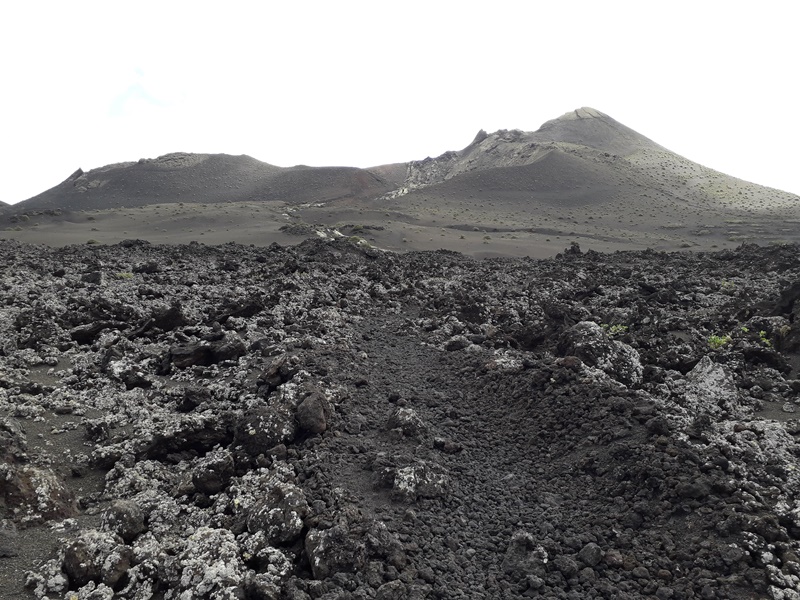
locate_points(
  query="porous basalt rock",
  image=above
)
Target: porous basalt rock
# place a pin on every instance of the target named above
(95, 556)
(334, 550)
(279, 514)
(211, 474)
(260, 429)
(421, 480)
(35, 494)
(591, 344)
(407, 420)
(124, 518)
(313, 413)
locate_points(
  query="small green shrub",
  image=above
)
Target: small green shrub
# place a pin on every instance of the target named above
(615, 330)
(762, 335)
(718, 341)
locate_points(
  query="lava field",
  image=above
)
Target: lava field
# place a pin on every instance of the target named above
(331, 421)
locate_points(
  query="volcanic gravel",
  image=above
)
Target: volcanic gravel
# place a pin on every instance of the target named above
(330, 421)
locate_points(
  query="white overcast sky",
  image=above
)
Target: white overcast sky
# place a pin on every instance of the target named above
(342, 82)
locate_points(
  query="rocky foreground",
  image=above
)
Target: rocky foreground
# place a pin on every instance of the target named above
(332, 422)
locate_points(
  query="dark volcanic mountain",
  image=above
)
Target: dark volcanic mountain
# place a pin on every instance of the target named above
(583, 177)
(204, 178)
(585, 164)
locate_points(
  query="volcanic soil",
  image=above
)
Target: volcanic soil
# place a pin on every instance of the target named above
(333, 421)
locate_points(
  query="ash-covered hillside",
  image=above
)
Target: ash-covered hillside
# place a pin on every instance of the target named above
(583, 177)
(203, 178)
(331, 421)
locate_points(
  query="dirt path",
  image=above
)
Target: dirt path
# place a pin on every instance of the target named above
(502, 479)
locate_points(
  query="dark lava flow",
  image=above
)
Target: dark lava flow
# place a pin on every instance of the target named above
(330, 421)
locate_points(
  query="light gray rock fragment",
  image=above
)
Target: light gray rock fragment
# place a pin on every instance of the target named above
(279, 514)
(407, 420)
(425, 480)
(96, 556)
(591, 344)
